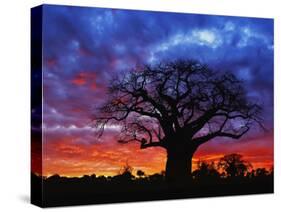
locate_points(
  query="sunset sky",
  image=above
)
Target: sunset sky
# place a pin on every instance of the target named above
(84, 47)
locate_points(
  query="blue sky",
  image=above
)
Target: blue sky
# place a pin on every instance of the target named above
(84, 47)
(100, 42)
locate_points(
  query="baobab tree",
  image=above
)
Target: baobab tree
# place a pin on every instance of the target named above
(177, 106)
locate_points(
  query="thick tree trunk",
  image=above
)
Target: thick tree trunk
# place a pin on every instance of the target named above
(179, 166)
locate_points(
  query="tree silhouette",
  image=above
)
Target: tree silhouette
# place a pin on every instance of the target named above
(125, 173)
(177, 106)
(261, 172)
(234, 165)
(206, 171)
(140, 173)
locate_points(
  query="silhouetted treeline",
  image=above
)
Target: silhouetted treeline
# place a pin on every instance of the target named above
(231, 175)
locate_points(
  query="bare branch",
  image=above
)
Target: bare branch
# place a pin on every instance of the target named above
(201, 140)
(180, 98)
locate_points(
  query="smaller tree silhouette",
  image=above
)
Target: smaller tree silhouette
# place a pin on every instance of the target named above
(234, 165)
(261, 172)
(140, 173)
(93, 176)
(125, 174)
(206, 170)
(54, 177)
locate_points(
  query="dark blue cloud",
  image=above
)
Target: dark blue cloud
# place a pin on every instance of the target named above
(100, 42)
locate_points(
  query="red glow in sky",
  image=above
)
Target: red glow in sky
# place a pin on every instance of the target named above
(84, 49)
(108, 157)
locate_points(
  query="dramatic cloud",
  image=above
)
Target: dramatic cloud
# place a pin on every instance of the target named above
(83, 48)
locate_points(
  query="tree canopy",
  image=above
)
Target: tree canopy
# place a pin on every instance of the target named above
(184, 97)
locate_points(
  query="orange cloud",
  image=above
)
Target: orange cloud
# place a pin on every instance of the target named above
(68, 158)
